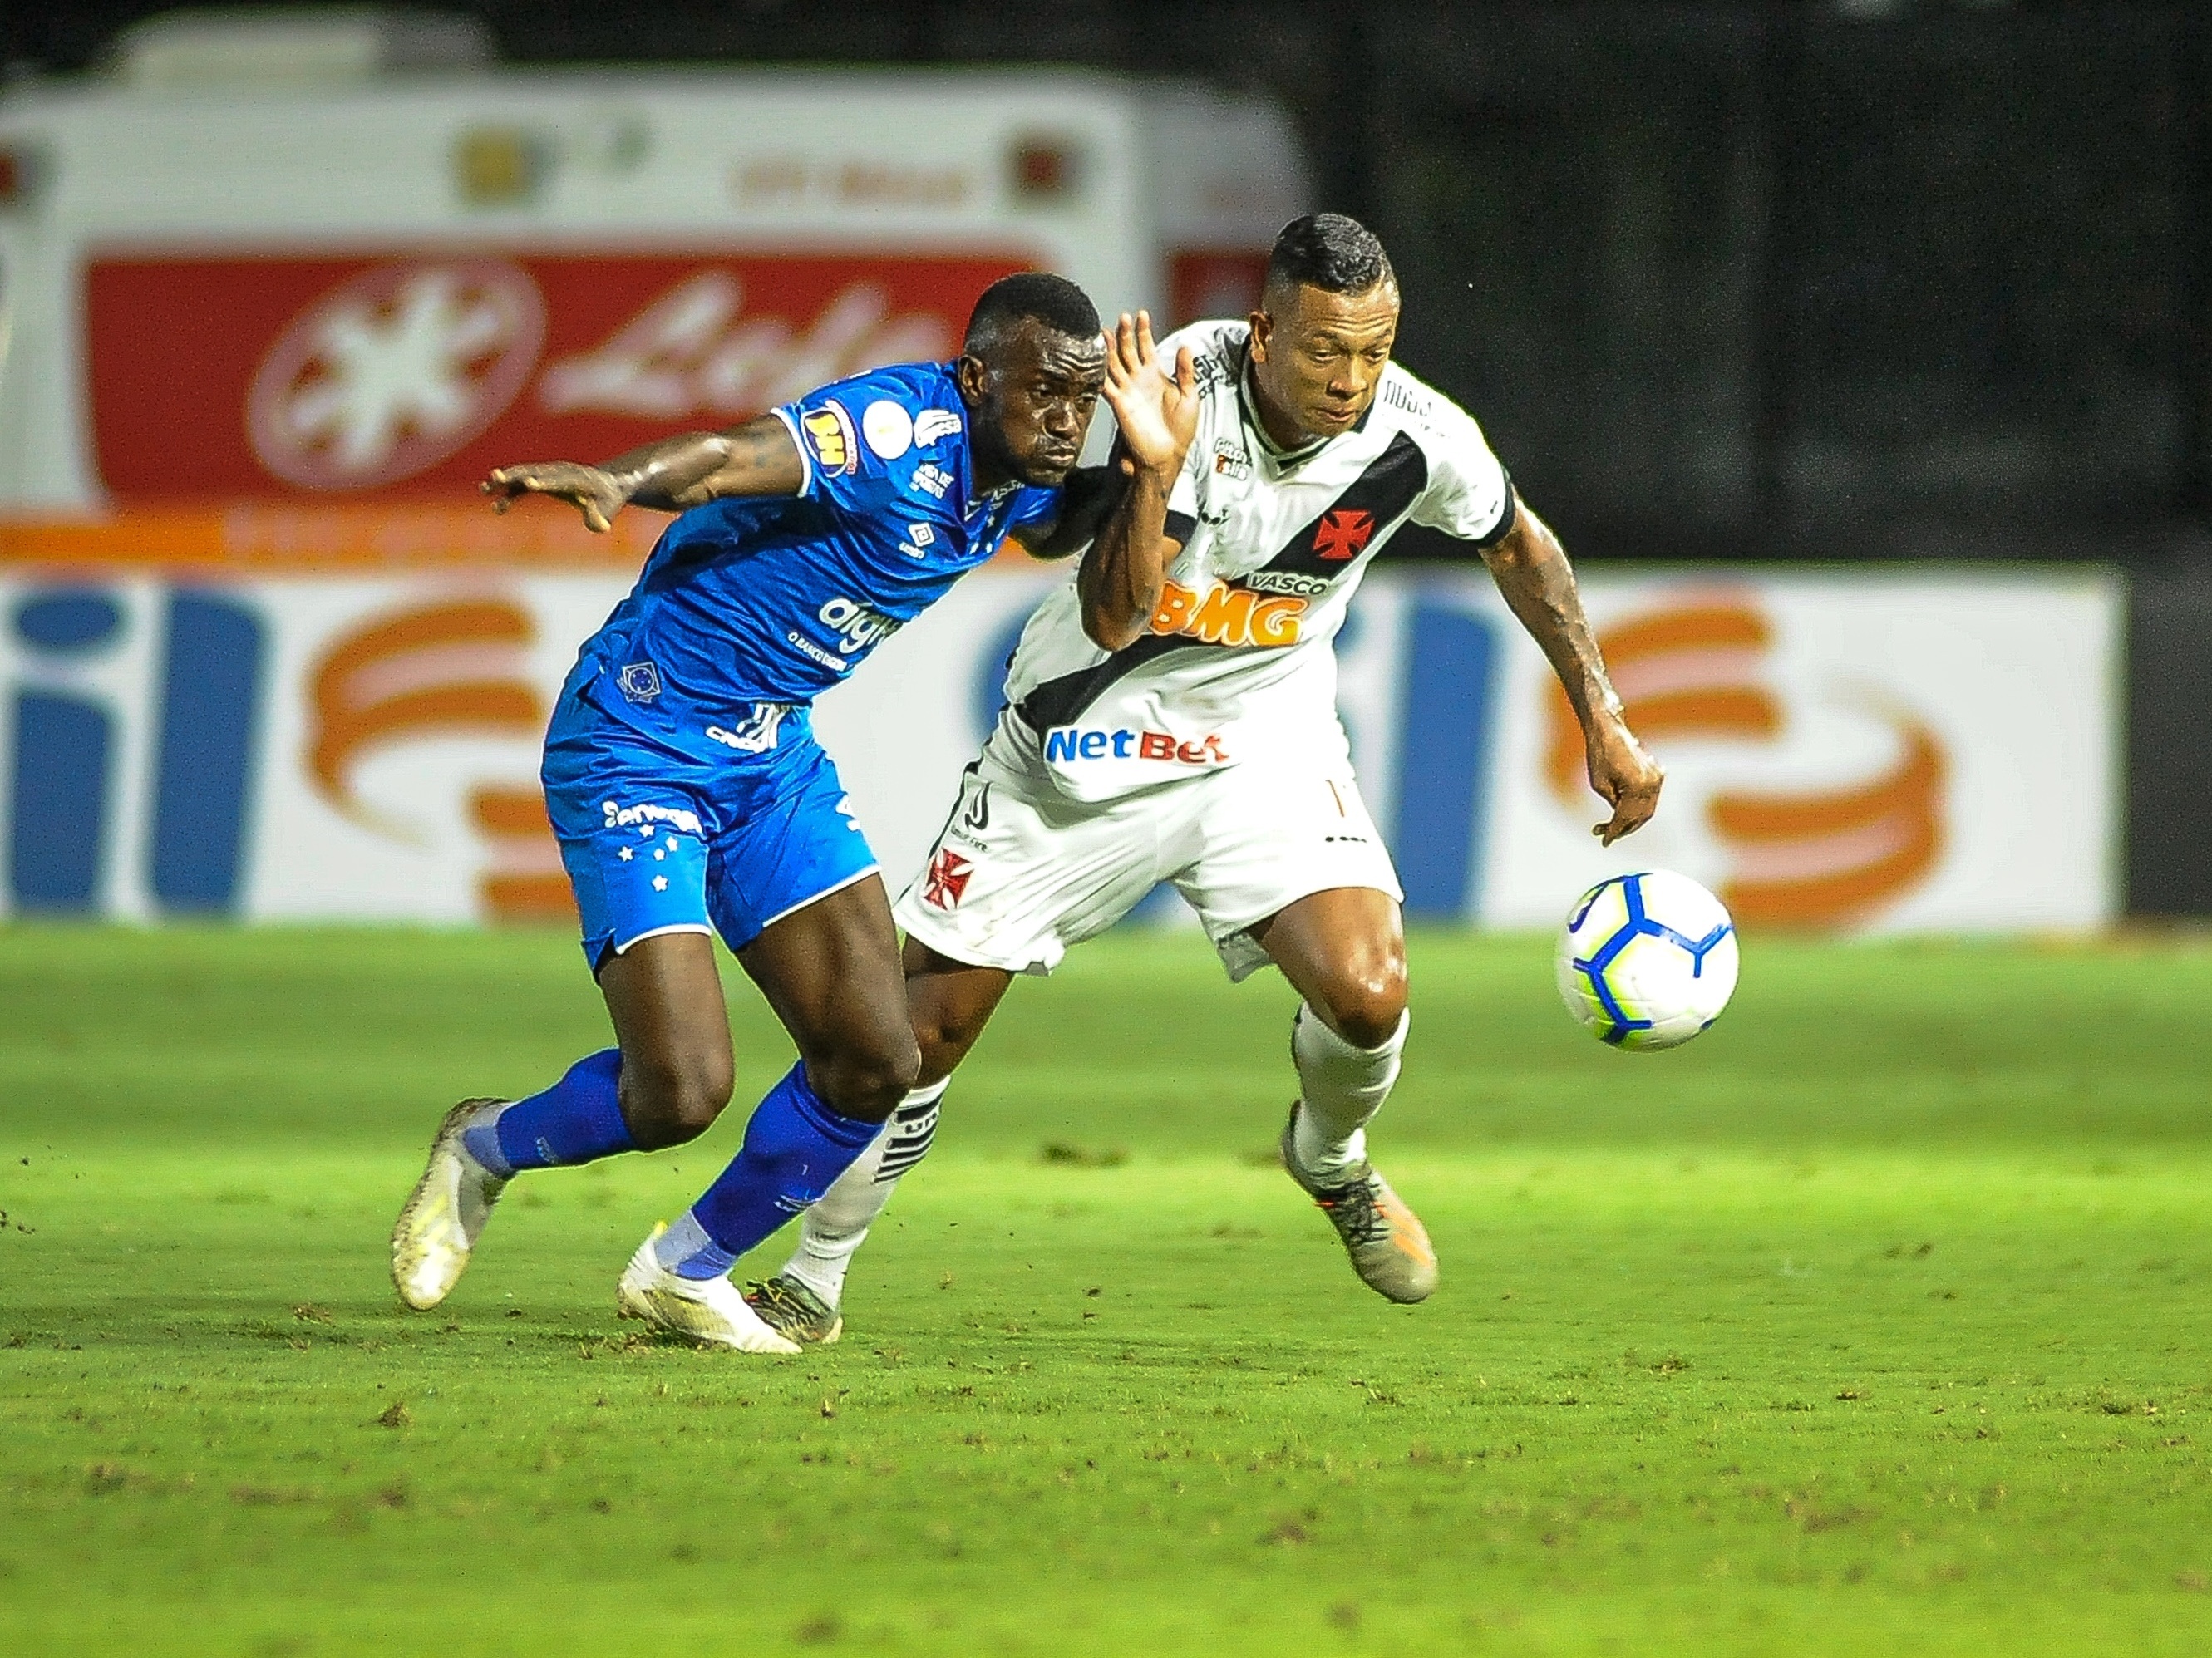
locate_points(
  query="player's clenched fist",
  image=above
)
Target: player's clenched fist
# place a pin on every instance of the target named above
(591, 491)
(1157, 411)
(1622, 771)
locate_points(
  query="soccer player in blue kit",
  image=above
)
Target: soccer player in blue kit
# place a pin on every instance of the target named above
(690, 797)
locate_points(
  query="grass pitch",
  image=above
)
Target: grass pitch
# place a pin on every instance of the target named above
(1876, 1320)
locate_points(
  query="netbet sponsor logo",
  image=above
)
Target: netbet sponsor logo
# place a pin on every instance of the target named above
(1067, 744)
(1227, 615)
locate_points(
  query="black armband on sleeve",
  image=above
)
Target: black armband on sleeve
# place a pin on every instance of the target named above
(1504, 527)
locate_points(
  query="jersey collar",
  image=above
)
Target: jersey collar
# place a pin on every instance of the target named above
(1247, 404)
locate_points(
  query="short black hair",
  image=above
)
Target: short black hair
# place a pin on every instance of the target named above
(1056, 303)
(1329, 252)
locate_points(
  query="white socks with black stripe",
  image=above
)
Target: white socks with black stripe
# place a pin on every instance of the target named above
(1341, 1088)
(831, 1231)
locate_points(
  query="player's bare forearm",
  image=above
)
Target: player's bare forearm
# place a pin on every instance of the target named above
(676, 474)
(1120, 580)
(1089, 494)
(1537, 584)
(756, 458)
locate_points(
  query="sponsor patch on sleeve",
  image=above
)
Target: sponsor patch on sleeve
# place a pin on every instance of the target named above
(829, 435)
(888, 428)
(932, 424)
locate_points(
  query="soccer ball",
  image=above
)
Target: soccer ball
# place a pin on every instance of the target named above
(1648, 960)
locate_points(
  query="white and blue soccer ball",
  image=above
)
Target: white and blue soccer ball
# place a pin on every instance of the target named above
(1646, 960)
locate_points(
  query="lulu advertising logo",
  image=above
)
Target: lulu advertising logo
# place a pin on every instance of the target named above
(228, 376)
(130, 738)
(442, 670)
(1805, 857)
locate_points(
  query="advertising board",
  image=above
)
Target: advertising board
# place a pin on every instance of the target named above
(1869, 754)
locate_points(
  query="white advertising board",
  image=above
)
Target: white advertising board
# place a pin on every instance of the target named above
(1898, 752)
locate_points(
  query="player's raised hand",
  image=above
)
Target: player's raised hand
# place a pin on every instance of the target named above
(1157, 410)
(1626, 776)
(589, 489)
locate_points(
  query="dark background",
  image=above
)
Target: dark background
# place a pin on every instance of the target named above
(1863, 279)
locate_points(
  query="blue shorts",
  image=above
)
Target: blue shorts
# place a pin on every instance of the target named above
(658, 840)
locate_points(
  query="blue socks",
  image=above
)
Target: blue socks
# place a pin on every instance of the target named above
(795, 1148)
(578, 1119)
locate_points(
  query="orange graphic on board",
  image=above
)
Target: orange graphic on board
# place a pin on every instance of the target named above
(1806, 858)
(457, 669)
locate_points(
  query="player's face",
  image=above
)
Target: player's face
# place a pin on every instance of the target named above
(1032, 401)
(1317, 357)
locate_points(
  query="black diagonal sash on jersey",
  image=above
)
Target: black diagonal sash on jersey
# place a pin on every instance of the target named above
(1058, 702)
(1373, 501)
(1370, 503)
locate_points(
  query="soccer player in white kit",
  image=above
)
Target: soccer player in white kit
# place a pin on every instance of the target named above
(1171, 716)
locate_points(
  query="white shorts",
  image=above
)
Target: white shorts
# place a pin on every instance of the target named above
(1020, 871)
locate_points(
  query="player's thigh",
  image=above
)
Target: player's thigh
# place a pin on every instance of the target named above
(665, 996)
(1018, 875)
(830, 971)
(794, 890)
(1343, 949)
(1270, 838)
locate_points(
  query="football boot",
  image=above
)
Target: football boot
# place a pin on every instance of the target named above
(795, 1312)
(707, 1310)
(445, 1214)
(1389, 1246)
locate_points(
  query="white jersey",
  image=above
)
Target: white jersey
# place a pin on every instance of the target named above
(1236, 665)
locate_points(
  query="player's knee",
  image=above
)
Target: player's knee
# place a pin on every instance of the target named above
(669, 1100)
(943, 1043)
(1365, 1005)
(865, 1079)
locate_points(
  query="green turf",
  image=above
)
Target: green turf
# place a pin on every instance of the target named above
(1875, 1322)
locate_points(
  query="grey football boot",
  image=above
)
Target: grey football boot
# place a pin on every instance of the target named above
(1389, 1246)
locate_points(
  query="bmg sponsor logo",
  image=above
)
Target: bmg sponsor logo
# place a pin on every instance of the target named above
(1228, 614)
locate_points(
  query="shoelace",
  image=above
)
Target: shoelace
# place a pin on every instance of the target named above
(784, 1305)
(1357, 1215)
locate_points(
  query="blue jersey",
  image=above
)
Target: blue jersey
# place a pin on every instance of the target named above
(750, 605)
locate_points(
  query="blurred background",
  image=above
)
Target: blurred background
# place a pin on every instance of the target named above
(1859, 350)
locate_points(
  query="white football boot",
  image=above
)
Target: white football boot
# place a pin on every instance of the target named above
(1389, 1246)
(708, 1310)
(445, 1214)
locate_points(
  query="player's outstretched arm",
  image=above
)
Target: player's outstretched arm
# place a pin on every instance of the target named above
(756, 458)
(1532, 572)
(1118, 584)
